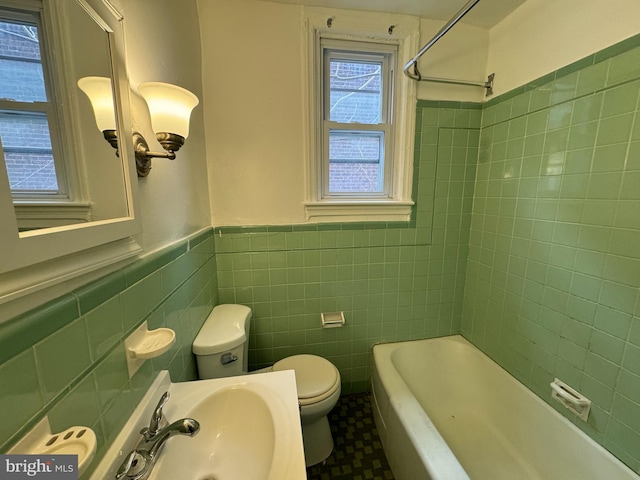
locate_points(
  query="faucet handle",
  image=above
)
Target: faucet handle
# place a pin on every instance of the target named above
(132, 464)
(157, 418)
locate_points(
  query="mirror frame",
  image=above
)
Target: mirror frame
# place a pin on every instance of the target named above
(33, 260)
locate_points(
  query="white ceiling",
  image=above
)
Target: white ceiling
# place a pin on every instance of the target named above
(486, 13)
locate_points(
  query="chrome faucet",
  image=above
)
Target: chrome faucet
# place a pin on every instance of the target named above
(140, 461)
(158, 419)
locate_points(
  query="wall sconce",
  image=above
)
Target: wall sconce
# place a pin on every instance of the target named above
(98, 89)
(170, 108)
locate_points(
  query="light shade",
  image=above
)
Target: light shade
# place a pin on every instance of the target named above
(170, 107)
(99, 91)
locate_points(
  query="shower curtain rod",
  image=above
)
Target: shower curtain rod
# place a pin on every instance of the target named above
(416, 75)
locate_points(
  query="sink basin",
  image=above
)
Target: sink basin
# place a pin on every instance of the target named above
(242, 435)
(249, 430)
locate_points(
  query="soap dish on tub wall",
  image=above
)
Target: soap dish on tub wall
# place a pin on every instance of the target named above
(572, 400)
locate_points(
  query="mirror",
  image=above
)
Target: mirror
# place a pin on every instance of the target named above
(82, 215)
(61, 171)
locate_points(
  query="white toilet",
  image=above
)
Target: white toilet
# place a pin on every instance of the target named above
(221, 349)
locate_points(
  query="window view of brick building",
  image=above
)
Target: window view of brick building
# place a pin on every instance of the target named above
(24, 127)
(355, 157)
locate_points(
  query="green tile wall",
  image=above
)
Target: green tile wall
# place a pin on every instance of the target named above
(393, 281)
(553, 276)
(67, 360)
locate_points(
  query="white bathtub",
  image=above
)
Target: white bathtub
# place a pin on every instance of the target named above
(446, 411)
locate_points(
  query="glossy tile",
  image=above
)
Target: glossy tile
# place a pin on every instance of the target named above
(21, 398)
(62, 357)
(572, 289)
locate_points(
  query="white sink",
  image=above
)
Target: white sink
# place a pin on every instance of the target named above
(249, 430)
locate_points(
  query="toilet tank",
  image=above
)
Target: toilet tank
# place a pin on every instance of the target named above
(222, 344)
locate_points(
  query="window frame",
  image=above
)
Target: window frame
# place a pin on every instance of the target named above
(370, 33)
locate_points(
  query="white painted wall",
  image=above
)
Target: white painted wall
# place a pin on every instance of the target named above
(461, 54)
(163, 44)
(252, 70)
(253, 88)
(545, 35)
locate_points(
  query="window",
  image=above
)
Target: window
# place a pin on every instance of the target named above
(26, 110)
(357, 114)
(361, 114)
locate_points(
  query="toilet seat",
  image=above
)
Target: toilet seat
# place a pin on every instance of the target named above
(316, 378)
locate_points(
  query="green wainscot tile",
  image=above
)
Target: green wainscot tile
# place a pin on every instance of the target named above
(583, 135)
(615, 129)
(587, 109)
(613, 322)
(604, 185)
(139, 299)
(630, 186)
(26, 330)
(111, 376)
(624, 67)
(623, 269)
(560, 116)
(629, 385)
(104, 327)
(627, 411)
(601, 212)
(603, 370)
(607, 346)
(592, 78)
(563, 88)
(92, 295)
(21, 398)
(78, 407)
(618, 296)
(632, 359)
(581, 309)
(622, 99)
(61, 358)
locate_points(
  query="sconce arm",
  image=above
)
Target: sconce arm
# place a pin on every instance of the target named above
(144, 155)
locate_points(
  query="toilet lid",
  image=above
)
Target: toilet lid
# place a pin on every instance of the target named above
(314, 375)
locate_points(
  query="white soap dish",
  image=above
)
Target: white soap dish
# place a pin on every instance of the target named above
(144, 344)
(154, 343)
(80, 441)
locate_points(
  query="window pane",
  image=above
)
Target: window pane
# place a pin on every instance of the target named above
(355, 162)
(355, 91)
(27, 149)
(31, 172)
(21, 76)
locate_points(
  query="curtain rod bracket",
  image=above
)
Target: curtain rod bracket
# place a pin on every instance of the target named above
(413, 63)
(489, 84)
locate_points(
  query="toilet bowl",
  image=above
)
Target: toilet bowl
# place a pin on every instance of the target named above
(221, 349)
(318, 385)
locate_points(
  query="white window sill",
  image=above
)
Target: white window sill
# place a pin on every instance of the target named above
(51, 214)
(358, 211)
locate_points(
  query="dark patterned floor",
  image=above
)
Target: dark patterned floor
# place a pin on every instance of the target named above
(357, 452)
